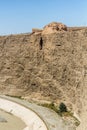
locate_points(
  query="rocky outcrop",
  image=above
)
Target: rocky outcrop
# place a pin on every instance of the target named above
(54, 27)
(55, 72)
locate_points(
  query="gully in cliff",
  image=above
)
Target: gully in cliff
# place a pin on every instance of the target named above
(41, 43)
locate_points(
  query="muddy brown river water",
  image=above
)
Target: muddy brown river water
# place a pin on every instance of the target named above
(13, 122)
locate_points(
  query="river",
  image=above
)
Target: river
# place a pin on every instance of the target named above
(13, 122)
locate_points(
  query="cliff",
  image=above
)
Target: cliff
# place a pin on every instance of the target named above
(51, 67)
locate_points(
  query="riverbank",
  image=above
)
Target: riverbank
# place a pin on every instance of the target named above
(49, 118)
(32, 121)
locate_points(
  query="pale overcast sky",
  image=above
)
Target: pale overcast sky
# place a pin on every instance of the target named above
(20, 16)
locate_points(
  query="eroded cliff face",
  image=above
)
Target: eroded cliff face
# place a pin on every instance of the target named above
(55, 69)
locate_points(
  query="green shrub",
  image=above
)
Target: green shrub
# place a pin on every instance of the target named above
(62, 108)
